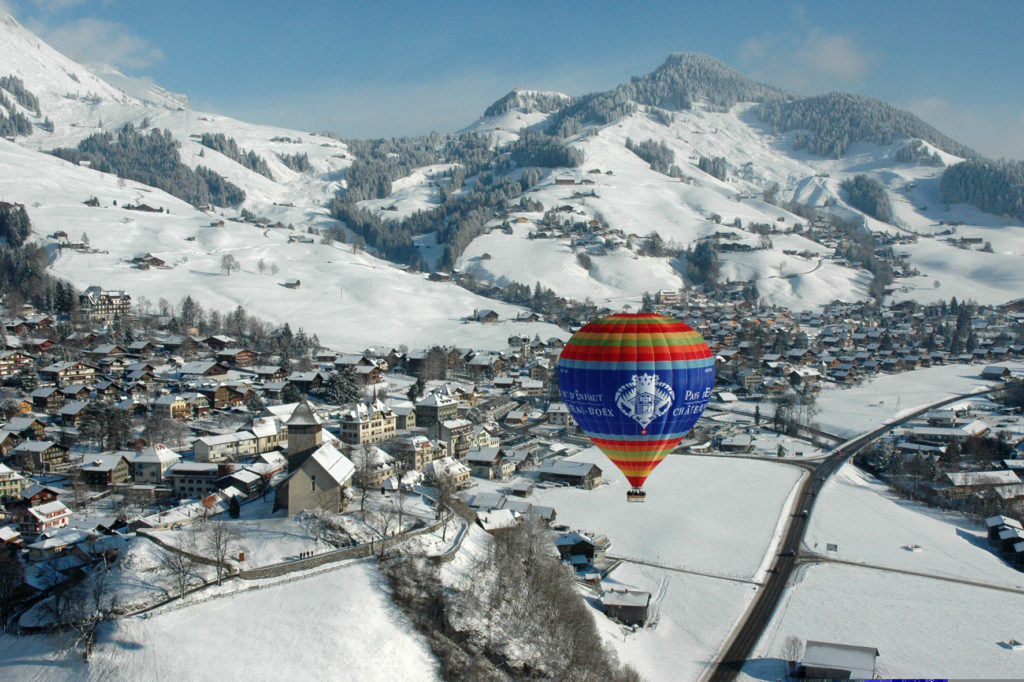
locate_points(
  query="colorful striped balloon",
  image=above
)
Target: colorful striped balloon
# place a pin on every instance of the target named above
(636, 384)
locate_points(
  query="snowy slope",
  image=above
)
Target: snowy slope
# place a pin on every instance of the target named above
(350, 300)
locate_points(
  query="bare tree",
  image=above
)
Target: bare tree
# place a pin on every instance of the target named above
(78, 609)
(229, 264)
(363, 458)
(445, 496)
(222, 539)
(383, 522)
(181, 564)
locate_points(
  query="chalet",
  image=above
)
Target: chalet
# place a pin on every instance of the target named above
(489, 463)
(48, 399)
(71, 414)
(198, 405)
(76, 392)
(308, 381)
(269, 372)
(628, 607)
(222, 396)
(148, 260)
(14, 361)
(996, 373)
(218, 342)
(581, 474)
(486, 316)
(105, 350)
(486, 365)
(239, 357)
(204, 370)
(44, 456)
(173, 407)
(558, 414)
(26, 427)
(37, 345)
(35, 520)
(750, 379)
(446, 468)
(103, 469)
(141, 349)
(801, 356)
(62, 373)
(959, 484)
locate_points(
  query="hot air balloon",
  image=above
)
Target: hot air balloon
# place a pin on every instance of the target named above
(636, 384)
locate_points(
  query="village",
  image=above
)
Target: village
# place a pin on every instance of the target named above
(122, 427)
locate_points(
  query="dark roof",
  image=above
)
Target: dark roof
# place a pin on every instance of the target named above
(302, 416)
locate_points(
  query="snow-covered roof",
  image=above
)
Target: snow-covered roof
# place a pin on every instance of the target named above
(626, 598)
(157, 454)
(338, 466)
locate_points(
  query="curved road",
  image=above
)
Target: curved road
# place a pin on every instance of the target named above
(729, 663)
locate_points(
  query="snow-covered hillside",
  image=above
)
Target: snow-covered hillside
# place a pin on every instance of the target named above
(350, 300)
(612, 186)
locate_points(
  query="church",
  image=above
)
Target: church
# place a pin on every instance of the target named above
(319, 474)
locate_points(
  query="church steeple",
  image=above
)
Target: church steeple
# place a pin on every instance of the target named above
(305, 432)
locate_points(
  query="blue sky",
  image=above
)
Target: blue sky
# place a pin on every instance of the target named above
(404, 68)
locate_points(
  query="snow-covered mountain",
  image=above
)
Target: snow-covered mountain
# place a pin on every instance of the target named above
(692, 106)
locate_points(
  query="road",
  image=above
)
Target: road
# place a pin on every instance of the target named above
(730, 661)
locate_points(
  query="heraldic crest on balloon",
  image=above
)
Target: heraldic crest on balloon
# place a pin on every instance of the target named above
(645, 398)
(636, 384)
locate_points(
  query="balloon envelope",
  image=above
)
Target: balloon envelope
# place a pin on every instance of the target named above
(636, 384)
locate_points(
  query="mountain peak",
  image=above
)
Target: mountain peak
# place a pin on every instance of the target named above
(543, 101)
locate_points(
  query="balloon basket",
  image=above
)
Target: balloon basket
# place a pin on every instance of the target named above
(636, 495)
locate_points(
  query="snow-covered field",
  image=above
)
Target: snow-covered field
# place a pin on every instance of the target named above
(950, 545)
(922, 628)
(710, 514)
(854, 410)
(694, 615)
(337, 625)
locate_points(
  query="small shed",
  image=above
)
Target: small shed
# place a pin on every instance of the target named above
(829, 660)
(292, 283)
(626, 606)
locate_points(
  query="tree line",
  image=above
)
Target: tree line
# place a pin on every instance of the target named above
(152, 159)
(228, 147)
(868, 195)
(828, 124)
(992, 186)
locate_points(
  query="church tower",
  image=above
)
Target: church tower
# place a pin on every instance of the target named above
(305, 433)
